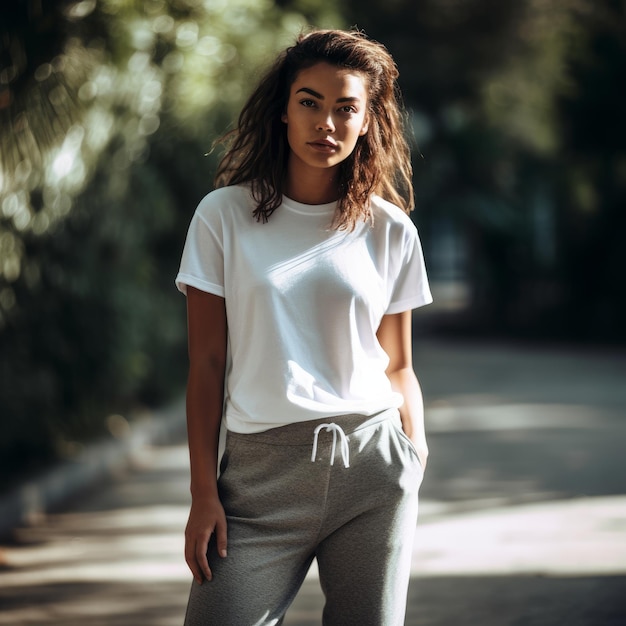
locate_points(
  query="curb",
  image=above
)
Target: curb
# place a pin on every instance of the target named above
(26, 504)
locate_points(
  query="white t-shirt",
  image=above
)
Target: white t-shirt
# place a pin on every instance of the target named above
(303, 303)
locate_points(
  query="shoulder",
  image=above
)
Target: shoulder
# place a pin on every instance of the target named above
(225, 201)
(390, 217)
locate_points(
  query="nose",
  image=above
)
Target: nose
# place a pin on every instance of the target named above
(325, 123)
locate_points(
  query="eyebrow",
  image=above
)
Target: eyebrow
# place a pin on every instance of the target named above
(321, 97)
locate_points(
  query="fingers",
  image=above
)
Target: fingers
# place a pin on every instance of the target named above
(196, 545)
(196, 548)
(221, 537)
(192, 561)
(202, 562)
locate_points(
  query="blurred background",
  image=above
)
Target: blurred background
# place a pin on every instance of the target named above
(108, 109)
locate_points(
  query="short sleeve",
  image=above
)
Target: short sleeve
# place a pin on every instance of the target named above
(410, 287)
(202, 263)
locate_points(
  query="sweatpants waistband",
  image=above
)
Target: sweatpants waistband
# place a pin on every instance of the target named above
(301, 433)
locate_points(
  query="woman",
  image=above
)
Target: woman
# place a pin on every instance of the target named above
(301, 271)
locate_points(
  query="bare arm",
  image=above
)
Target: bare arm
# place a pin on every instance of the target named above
(394, 335)
(207, 331)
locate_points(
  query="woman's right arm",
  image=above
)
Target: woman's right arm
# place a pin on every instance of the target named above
(207, 332)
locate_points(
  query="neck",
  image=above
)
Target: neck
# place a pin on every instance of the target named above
(313, 186)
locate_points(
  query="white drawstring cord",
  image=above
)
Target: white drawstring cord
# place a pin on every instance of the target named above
(345, 450)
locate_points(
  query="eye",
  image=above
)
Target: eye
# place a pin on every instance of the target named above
(308, 103)
(348, 108)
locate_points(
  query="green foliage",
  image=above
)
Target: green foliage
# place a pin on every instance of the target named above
(108, 108)
(107, 120)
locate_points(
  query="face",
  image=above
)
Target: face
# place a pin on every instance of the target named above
(326, 114)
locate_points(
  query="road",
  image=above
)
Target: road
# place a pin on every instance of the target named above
(522, 522)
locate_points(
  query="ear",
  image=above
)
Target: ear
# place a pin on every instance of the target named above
(283, 118)
(364, 128)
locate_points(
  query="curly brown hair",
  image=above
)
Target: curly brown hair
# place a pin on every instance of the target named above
(257, 150)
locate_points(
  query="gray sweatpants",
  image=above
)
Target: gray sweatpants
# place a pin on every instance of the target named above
(283, 510)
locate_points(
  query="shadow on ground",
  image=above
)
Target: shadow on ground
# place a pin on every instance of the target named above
(445, 601)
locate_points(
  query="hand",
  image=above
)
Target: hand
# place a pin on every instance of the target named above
(205, 518)
(422, 455)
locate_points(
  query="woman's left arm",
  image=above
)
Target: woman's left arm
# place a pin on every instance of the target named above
(394, 335)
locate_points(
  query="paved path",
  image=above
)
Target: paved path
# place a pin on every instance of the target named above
(523, 518)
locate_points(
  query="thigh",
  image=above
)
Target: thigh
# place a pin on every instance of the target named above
(365, 563)
(253, 586)
(270, 539)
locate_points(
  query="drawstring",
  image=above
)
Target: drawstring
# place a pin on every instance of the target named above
(345, 451)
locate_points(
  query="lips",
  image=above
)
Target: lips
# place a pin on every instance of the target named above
(323, 144)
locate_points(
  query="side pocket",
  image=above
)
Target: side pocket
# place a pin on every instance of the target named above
(398, 428)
